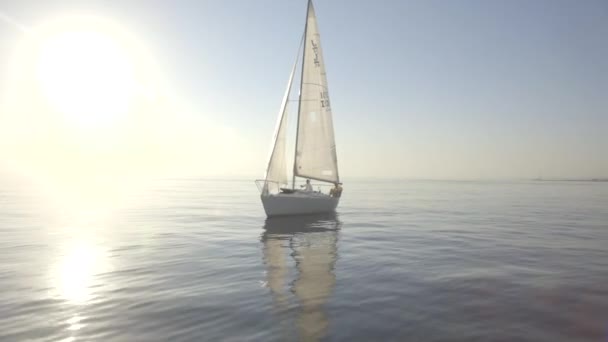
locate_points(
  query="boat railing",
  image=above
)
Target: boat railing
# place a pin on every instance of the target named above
(267, 186)
(273, 187)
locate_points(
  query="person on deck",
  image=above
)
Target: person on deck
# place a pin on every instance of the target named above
(336, 191)
(308, 186)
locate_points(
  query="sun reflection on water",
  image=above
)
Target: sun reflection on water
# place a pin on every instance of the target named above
(74, 323)
(75, 273)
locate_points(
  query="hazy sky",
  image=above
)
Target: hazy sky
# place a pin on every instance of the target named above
(426, 89)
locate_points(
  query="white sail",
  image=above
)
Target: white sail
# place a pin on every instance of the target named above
(276, 173)
(315, 145)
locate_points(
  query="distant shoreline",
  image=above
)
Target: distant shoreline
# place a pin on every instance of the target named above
(572, 180)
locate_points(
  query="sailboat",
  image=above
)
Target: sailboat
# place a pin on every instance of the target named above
(315, 148)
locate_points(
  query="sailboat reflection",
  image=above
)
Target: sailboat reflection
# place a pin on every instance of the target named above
(311, 241)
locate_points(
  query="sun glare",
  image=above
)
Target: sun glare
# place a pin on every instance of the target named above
(86, 76)
(85, 70)
(81, 107)
(88, 113)
(74, 275)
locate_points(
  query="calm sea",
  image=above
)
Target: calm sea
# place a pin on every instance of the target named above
(196, 260)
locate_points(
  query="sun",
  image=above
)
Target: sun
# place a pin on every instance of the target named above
(85, 71)
(86, 76)
(81, 101)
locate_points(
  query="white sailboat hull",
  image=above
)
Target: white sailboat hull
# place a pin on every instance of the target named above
(298, 203)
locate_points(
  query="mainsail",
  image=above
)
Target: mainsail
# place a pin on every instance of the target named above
(315, 156)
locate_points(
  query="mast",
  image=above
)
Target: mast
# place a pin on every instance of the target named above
(293, 184)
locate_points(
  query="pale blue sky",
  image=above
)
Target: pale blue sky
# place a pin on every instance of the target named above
(429, 89)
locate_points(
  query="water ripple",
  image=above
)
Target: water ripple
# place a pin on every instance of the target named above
(195, 259)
